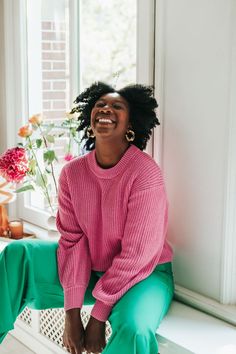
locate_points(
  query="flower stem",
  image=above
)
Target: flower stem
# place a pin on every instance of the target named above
(41, 174)
(69, 147)
(51, 164)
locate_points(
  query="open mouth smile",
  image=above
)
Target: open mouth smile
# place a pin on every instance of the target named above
(104, 121)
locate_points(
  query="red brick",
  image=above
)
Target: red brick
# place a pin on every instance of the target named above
(59, 66)
(46, 85)
(47, 65)
(46, 25)
(46, 105)
(49, 75)
(53, 36)
(57, 95)
(59, 105)
(58, 46)
(53, 56)
(46, 46)
(59, 85)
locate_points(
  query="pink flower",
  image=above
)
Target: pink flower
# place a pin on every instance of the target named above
(14, 164)
(68, 157)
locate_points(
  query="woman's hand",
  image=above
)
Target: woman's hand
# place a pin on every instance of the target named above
(95, 336)
(73, 336)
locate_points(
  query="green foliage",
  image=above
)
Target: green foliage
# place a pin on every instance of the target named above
(28, 187)
(39, 143)
(50, 138)
(49, 156)
(41, 179)
(32, 167)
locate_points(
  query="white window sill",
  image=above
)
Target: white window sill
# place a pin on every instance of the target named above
(41, 233)
(185, 330)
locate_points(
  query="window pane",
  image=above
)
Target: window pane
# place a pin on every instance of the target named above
(107, 46)
(48, 40)
(108, 41)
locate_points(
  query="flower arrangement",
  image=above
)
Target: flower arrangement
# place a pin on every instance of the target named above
(31, 163)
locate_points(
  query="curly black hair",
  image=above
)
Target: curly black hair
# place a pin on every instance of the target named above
(142, 114)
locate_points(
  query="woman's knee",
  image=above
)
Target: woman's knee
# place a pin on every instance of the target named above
(30, 251)
(131, 324)
(15, 250)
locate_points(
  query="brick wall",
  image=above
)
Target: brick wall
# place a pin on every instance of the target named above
(55, 80)
(54, 74)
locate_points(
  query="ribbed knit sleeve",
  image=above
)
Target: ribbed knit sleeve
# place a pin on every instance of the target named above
(74, 264)
(141, 247)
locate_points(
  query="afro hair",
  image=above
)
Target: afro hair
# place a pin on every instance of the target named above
(142, 115)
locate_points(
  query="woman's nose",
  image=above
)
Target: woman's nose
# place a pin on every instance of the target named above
(106, 109)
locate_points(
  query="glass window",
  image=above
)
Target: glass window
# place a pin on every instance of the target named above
(94, 39)
(108, 41)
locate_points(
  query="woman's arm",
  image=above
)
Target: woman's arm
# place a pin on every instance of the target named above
(74, 264)
(142, 246)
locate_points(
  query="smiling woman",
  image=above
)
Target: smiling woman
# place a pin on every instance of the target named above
(112, 218)
(110, 120)
(113, 225)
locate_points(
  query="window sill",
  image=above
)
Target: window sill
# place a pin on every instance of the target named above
(41, 233)
(185, 330)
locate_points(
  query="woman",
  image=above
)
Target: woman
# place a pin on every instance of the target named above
(112, 219)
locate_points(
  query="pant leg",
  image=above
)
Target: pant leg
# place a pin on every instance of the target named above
(137, 315)
(28, 277)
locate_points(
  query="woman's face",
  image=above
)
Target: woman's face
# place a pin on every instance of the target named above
(110, 117)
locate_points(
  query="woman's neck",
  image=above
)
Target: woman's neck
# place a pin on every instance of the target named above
(108, 155)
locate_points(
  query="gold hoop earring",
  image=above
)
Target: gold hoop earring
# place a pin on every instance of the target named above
(90, 133)
(130, 135)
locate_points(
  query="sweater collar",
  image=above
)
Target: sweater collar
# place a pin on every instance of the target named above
(115, 170)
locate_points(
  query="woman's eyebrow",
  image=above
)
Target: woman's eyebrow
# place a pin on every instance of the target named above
(115, 100)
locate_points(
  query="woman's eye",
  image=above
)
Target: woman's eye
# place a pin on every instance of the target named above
(117, 106)
(100, 104)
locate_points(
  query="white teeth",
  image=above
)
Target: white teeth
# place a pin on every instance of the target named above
(104, 120)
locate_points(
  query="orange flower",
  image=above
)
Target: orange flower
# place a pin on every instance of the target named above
(25, 131)
(36, 119)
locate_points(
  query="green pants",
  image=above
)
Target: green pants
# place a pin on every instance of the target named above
(29, 277)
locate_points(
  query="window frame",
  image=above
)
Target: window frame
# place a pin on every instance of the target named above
(16, 64)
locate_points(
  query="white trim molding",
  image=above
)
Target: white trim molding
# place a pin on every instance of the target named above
(14, 86)
(3, 142)
(226, 313)
(145, 41)
(74, 43)
(146, 48)
(159, 73)
(228, 274)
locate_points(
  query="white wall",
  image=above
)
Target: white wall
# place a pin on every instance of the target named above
(2, 83)
(193, 72)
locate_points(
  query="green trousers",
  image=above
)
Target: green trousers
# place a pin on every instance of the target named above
(29, 277)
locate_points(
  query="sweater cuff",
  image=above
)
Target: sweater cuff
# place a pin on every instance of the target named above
(74, 297)
(101, 311)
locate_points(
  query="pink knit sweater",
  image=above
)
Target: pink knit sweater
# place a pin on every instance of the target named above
(112, 220)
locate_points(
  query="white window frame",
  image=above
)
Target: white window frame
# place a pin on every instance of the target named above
(16, 74)
(16, 88)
